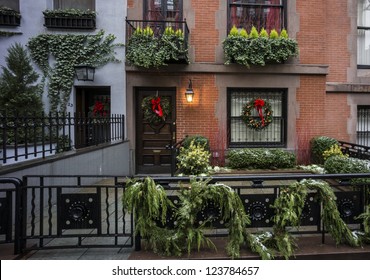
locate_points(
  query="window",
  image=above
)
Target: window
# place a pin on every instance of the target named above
(363, 34)
(169, 10)
(74, 4)
(240, 135)
(258, 13)
(14, 5)
(363, 125)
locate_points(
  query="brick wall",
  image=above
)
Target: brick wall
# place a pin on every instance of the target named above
(204, 36)
(198, 117)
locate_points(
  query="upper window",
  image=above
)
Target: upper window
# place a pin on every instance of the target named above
(363, 32)
(14, 5)
(258, 13)
(240, 135)
(170, 10)
(74, 4)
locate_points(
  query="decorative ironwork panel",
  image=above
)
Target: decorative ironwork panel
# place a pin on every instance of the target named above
(349, 205)
(258, 207)
(4, 214)
(79, 211)
(211, 215)
(311, 211)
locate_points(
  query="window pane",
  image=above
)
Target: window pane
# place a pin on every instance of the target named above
(363, 47)
(240, 134)
(12, 4)
(248, 13)
(75, 4)
(363, 125)
(163, 10)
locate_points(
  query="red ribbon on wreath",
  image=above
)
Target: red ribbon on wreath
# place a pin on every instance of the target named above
(258, 104)
(156, 106)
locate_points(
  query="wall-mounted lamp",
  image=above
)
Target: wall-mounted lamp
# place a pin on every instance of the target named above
(189, 93)
(85, 72)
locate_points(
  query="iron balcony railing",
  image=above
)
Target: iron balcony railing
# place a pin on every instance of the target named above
(355, 150)
(29, 137)
(158, 27)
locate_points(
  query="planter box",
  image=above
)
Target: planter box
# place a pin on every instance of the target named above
(10, 20)
(70, 22)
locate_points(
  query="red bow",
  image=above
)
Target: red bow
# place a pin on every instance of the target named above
(156, 106)
(258, 104)
(98, 108)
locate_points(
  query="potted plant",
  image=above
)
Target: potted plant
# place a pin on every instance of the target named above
(9, 16)
(70, 18)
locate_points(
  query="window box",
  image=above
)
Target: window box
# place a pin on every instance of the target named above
(258, 48)
(9, 17)
(152, 44)
(71, 19)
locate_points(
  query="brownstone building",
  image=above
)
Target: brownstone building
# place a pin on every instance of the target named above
(322, 91)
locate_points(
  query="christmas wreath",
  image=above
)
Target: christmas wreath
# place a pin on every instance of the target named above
(264, 111)
(155, 109)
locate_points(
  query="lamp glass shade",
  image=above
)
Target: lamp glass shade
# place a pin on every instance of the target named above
(85, 72)
(189, 94)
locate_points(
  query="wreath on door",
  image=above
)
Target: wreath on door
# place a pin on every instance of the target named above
(264, 112)
(155, 109)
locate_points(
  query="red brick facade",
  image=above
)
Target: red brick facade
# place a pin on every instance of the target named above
(322, 35)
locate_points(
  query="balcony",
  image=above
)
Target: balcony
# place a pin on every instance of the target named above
(69, 20)
(156, 43)
(9, 17)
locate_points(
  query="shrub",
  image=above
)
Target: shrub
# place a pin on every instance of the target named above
(340, 164)
(334, 150)
(194, 159)
(198, 140)
(318, 146)
(261, 159)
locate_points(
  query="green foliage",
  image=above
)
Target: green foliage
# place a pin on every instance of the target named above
(258, 49)
(66, 13)
(330, 214)
(144, 49)
(365, 237)
(20, 96)
(261, 159)
(198, 140)
(334, 150)
(68, 50)
(288, 209)
(8, 11)
(193, 160)
(149, 204)
(319, 145)
(339, 164)
(260, 244)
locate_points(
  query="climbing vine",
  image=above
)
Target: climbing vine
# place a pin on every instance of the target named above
(57, 55)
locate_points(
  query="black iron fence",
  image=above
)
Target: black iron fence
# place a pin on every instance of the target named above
(50, 212)
(29, 137)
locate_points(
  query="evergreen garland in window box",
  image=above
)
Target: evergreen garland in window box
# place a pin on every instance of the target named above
(258, 48)
(9, 17)
(144, 49)
(70, 18)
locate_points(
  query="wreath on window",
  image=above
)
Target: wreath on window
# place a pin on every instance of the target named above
(264, 111)
(155, 109)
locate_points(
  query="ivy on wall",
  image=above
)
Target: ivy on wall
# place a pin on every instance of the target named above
(58, 54)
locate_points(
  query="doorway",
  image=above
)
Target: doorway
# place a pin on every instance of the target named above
(155, 129)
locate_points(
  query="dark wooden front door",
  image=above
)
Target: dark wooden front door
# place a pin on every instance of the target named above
(152, 156)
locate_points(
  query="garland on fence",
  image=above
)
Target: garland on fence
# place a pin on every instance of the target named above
(149, 203)
(264, 111)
